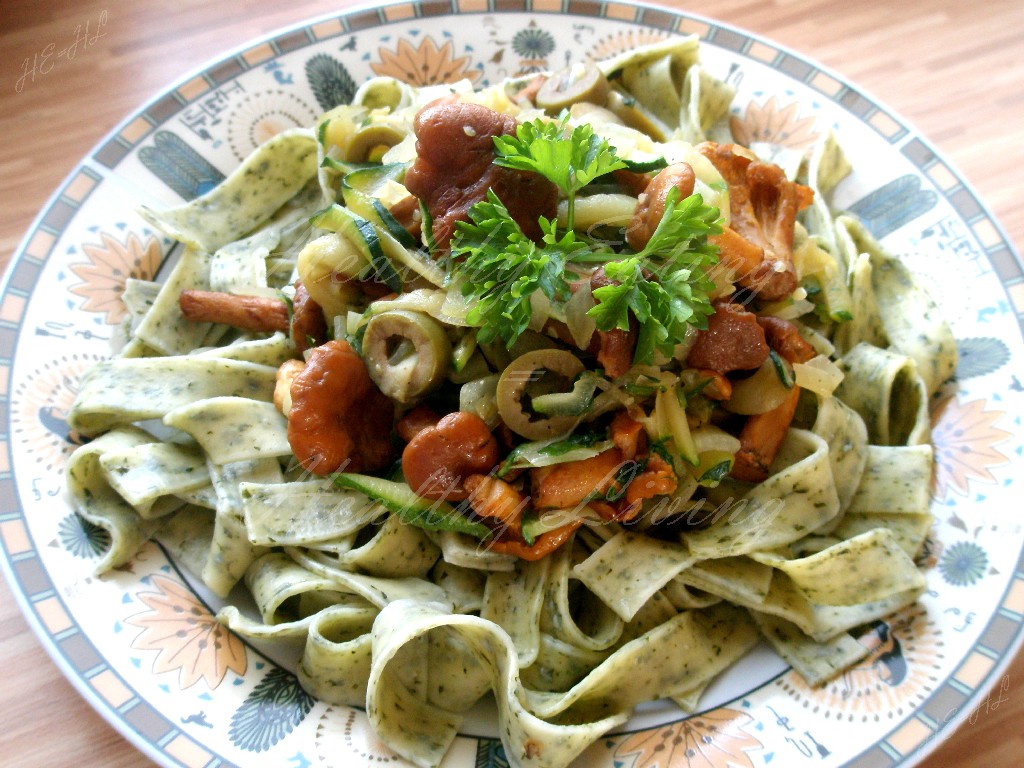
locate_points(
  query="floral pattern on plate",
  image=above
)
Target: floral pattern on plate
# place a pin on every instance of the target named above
(967, 445)
(111, 262)
(717, 739)
(426, 63)
(185, 636)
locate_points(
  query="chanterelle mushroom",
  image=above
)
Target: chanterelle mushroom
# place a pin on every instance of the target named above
(763, 205)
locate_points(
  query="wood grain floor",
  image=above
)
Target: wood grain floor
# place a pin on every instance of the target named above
(952, 68)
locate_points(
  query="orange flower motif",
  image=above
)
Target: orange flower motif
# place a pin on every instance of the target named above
(186, 636)
(39, 409)
(895, 677)
(771, 123)
(424, 65)
(965, 437)
(713, 740)
(110, 264)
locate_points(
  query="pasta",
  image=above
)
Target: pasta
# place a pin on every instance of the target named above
(686, 419)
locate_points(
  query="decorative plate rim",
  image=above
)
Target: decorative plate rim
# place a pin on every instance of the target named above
(425, 10)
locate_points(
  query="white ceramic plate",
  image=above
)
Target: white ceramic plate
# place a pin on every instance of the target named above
(140, 643)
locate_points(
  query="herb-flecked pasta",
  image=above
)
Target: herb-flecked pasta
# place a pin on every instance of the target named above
(576, 402)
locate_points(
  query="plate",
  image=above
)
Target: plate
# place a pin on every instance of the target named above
(133, 642)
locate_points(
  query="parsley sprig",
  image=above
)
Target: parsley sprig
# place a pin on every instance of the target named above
(679, 257)
(570, 162)
(664, 286)
(501, 267)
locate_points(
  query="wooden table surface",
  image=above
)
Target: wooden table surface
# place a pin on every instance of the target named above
(950, 68)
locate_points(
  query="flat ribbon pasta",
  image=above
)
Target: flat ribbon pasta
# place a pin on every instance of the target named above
(128, 390)
(272, 350)
(893, 495)
(96, 501)
(267, 179)
(602, 629)
(187, 534)
(673, 656)
(884, 387)
(846, 434)
(798, 497)
(396, 550)
(141, 474)
(231, 552)
(231, 428)
(817, 662)
(629, 568)
(868, 567)
(513, 600)
(304, 512)
(906, 315)
(826, 167)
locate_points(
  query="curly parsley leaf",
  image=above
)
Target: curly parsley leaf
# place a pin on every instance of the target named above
(682, 234)
(500, 267)
(569, 162)
(665, 286)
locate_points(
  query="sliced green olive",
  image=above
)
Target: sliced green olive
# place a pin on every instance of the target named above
(580, 82)
(499, 356)
(407, 354)
(539, 372)
(378, 92)
(370, 142)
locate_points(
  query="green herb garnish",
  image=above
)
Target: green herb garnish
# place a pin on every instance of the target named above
(665, 286)
(501, 267)
(569, 162)
(678, 257)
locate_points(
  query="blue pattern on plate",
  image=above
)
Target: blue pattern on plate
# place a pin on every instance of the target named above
(490, 754)
(330, 80)
(980, 355)
(891, 206)
(274, 709)
(179, 166)
(963, 564)
(82, 538)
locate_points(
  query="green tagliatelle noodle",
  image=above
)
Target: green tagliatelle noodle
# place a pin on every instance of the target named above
(191, 447)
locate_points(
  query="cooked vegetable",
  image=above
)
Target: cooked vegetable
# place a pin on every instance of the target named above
(407, 354)
(361, 234)
(439, 458)
(328, 267)
(412, 508)
(338, 419)
(526, 374)
(250, 313)
(572, 85)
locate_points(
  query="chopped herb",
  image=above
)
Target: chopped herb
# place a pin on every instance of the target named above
(569, 162)
(679, 257)
(500, 267)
